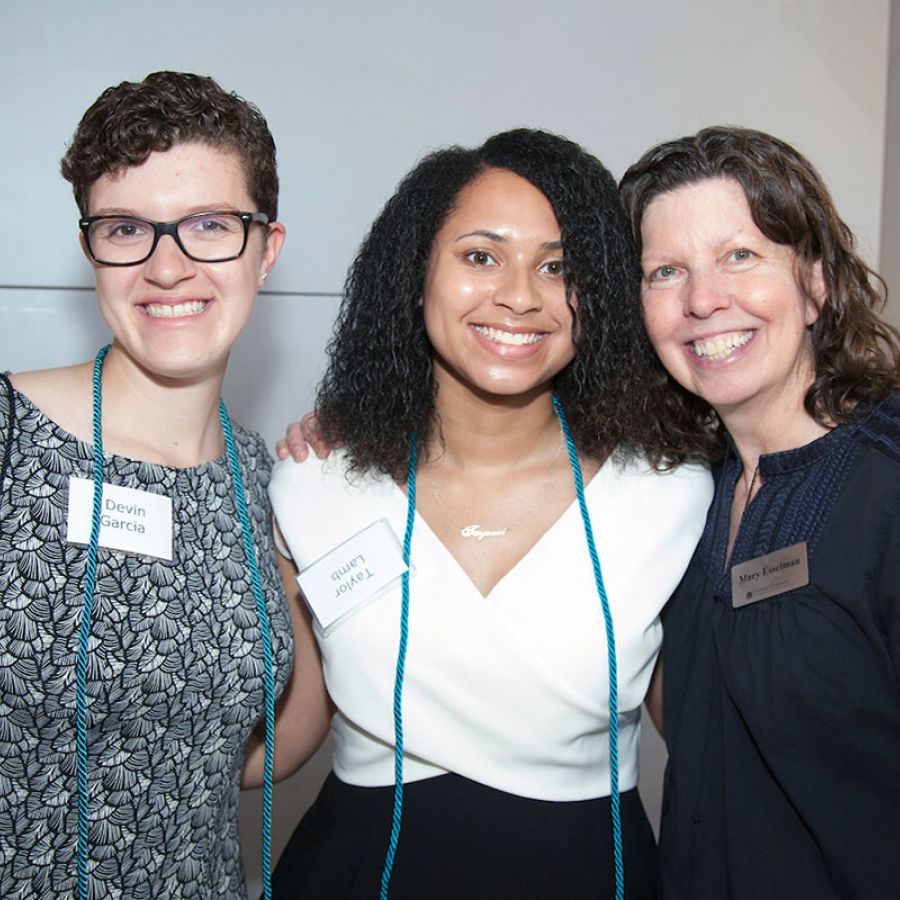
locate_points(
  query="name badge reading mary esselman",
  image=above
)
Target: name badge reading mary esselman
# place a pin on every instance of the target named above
(130, 520)
(769, 575)
(352, 574)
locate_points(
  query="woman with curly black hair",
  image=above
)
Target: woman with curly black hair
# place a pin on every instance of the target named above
(487, 557)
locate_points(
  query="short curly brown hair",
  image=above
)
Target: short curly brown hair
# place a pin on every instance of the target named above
(856, 353)
(128, 122)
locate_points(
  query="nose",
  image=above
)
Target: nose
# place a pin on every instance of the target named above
(518, 291)
(705, 293)
(168, 265)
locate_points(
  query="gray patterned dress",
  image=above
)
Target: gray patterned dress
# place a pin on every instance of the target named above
(175, 676)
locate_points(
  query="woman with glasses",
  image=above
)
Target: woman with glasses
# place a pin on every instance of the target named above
(143, 630)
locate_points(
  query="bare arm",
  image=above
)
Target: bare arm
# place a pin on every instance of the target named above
(303, 712)
(654, 698)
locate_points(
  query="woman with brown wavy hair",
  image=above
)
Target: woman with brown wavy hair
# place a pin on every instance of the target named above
(782, 644)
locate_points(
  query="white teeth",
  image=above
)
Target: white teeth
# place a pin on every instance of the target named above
(514, 338)
(722, 346)
(167, 311)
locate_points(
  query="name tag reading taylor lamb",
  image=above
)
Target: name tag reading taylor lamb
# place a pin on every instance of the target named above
(354, 572)
(769, 575)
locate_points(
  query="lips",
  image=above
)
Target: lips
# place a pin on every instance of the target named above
(721, 346)
(510, 338)
(174, 310)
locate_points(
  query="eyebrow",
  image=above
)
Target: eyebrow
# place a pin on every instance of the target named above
(500, 239)
(738, 236)
(192, 211)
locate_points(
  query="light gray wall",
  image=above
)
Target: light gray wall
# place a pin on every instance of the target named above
(356, 91)
(890, 222)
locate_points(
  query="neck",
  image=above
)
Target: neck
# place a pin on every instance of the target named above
(159, 420)
(770, 425)
(476, 431)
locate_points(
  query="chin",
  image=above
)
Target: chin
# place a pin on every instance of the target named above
(188, 368)
(506, 391)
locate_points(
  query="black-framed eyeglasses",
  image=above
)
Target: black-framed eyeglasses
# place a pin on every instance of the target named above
(216, 236)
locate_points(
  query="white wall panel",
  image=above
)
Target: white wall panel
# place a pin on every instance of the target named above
(356, 91)
(890, 222)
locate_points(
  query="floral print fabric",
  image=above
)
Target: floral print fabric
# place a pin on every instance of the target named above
(175, 674)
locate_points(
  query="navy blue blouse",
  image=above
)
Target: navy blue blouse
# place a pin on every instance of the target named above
(783, 716)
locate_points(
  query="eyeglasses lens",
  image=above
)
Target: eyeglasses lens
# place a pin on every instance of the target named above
(207, 238)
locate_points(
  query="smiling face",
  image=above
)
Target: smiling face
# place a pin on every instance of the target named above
(722, 303)
(173, 317)
(495, 298)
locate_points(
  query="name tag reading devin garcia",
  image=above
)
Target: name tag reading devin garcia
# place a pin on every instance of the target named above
(769, 575)
(353, 573)
(130, 520)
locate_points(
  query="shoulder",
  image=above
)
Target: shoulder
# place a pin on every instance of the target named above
(320, 482)
(7, 396)
(252, 451)
(688, 486)
(289, 476)
(650, 508)
(317, 503)
(254, 458)
(880, 427)
(7, 409)
(51, 385)
(63, 395)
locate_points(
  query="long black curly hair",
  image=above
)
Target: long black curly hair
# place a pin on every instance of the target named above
(379, 391)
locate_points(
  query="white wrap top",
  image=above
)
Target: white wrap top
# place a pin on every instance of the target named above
(510, 690)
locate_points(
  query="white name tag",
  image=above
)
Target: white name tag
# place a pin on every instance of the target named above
(130, 520)
(352, 574)
(769, 575)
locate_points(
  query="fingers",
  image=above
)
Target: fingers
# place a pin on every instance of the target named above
(309, 427)
(293, 444)
(296, 439)
(299, 437)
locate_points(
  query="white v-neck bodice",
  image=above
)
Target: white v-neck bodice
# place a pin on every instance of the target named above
(510, 690)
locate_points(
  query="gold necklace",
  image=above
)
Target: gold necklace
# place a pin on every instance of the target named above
(474, 530)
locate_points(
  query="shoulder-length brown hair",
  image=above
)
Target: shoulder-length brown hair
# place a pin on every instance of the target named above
(856, 353)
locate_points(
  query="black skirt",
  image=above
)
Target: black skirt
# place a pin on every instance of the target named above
(461, 840)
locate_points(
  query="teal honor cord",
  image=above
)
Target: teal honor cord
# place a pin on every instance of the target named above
(615, 812)
(81, 661)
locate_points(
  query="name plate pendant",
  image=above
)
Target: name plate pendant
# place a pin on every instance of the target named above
(770, 575)
(353, 574)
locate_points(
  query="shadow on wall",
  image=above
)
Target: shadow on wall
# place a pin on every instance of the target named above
(278, 361)
(46, 327)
